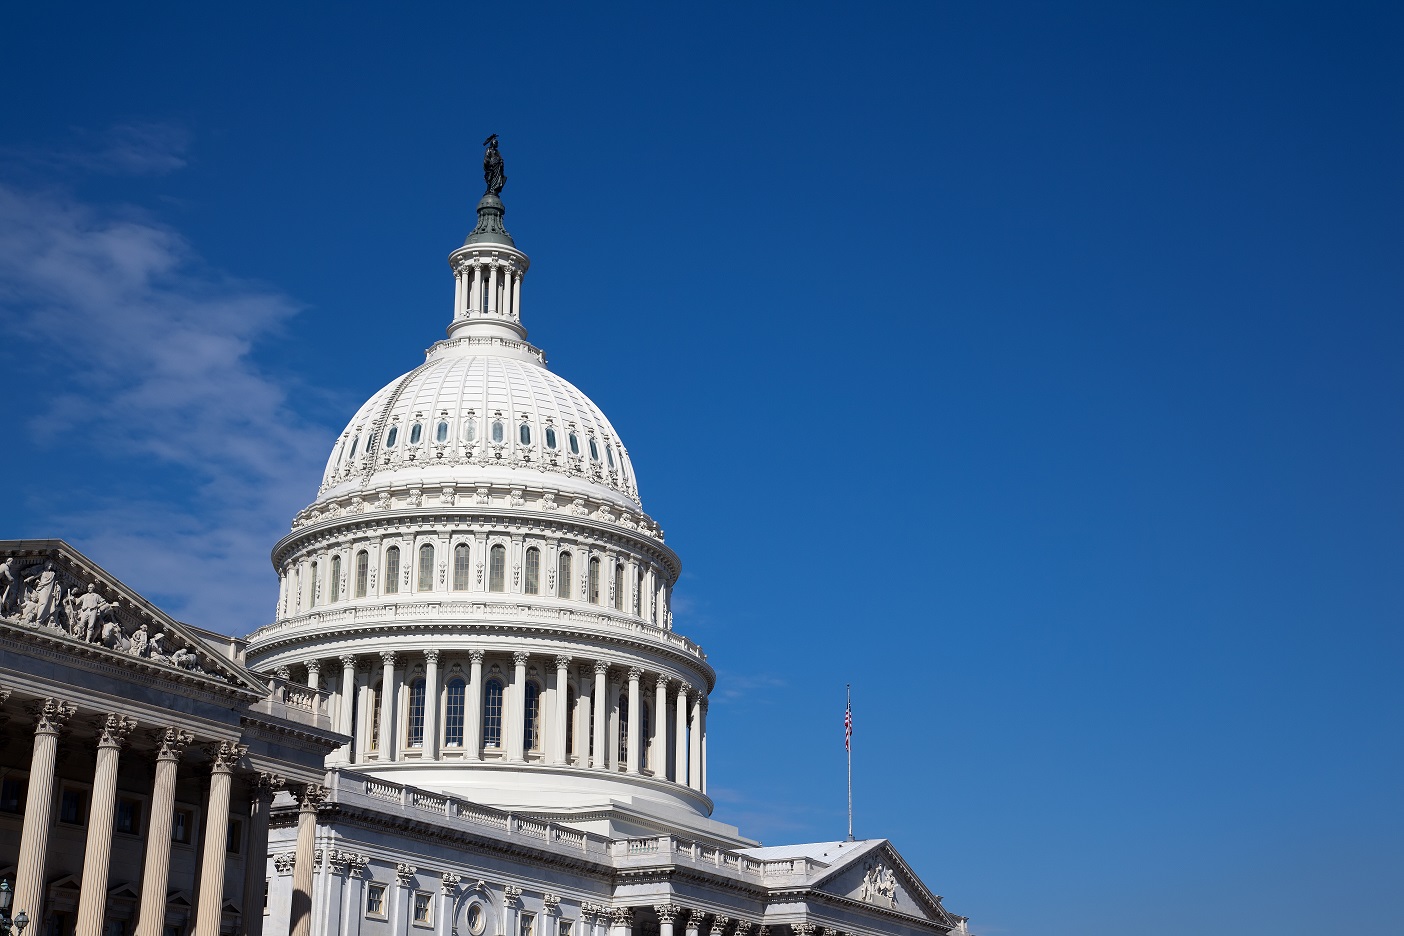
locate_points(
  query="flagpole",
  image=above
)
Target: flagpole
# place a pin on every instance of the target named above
(848, 745)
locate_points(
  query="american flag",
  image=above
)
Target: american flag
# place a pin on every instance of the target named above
(848, 726)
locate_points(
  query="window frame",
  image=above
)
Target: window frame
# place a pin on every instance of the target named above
(424, 550)
(497, 568)
(428, 920)
(414, 712)
(377, 891)
(390, 583)
(462, 550)
(493, 711)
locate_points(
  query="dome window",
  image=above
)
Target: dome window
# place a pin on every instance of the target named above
(353, 447)
(573, 439)
(524, 433)
(594, 450)
(392, 437)
(470, 429)
(497, 431)
(441, 432)
(550, 438)
(416, 431)
(609, 454)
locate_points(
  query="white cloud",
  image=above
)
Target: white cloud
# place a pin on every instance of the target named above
(145, 368)
(135, 148)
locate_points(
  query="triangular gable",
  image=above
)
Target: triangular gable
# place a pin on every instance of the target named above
(877, 876)
(44, 589)
(123, 891)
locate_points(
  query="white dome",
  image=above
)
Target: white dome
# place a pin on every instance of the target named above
(481, 411)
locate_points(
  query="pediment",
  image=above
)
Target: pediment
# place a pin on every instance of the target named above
(55, 593)
(879, 877)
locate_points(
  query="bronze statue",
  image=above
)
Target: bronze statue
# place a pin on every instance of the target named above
(492, 167)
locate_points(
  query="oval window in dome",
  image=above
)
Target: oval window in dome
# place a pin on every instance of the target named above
(574, 444)
(354, 442)
(415, 432)
(550, 437)
(441, 433)
(392, 437)
(524, 433)
(470, 429)
(594, 450)
(609, 454)
(497, 431)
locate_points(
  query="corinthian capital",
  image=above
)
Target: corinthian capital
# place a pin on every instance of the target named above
(224, 755)
(171, 743)
(112, 731)
(50, 715)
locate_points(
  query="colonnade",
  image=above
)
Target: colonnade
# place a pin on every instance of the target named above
(113, 731)
(587, 713)
(488, 287)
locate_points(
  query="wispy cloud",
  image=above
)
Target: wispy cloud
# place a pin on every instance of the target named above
(141, 148)
(747, 687)
(139, 360)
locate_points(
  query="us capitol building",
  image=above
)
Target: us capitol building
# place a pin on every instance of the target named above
(470, 715)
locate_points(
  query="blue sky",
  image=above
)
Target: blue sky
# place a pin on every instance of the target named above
(1036, 368)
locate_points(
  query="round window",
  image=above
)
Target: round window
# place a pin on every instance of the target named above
(476, 919)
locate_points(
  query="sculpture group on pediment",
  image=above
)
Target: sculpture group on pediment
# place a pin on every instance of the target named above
(41, 595)
(879, 883)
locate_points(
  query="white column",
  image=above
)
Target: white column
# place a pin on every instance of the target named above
(475, 298)
(694, 756)
(680, 736)
(314, 674)
(458, 303)
(703, 732)
(300, 915)
(362, 745)
(473, 710)
(584, 706)
(601, 715)
(667, 913)
(97, 856)
(443, 920)
(348, 699)
(388, 691)
(622, 921)
(631, 756)
(515, 723)
(492, 290)
(262, 789)
(517, 295)
(211, 900)
(431, 704)
(50, 715)
(660, 728)
(151, 919)
(561, 711)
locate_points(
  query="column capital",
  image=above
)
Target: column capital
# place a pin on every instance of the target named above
(661, 682)
(803, 929)
(684, 688)
(511, 892)
(475, 656)
(404, 873)
(225, 755)
(622, 916)
(112, 731)
(601, 666)
(695, 918)
(356, 864)
(634, 673)
(431, 656)
(387, 657)
(314, 667)
(348, 661)
(449, 882)
(719, 925)
(551, 903)
(520, 657)
(667, 913)
(312, 796)
(742, 928)
(563, 662)
(171, 743)
(50, 715)
(283, 672)
(267, 785)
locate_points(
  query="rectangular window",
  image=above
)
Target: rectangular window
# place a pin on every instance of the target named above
(111, 927)
(618, 587)
(373, 700)
(391, 582)
(415, 722)
(638, 589)
(423, 908)
(426, 568)
(234, 837)
(73, 806)
(533, 571)
(594, 596)
(362, 572)
(567, 927)
(497, 569)
(460, 567)
(13, 790)
(183, 825)
(375, 900)
(128, 820)
(453, 714)
(563, 575)
(528, 924)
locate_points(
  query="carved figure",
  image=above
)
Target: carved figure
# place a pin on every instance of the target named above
(186, 660)
(879, 882)
(493, 173)
(90, 606)
(11, 586)
(156, 648)
(139, 643)
(112, 636)
(45, 597)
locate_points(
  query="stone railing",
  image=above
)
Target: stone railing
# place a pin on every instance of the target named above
(342, 619)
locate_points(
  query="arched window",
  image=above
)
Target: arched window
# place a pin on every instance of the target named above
(571, 711)
(392, 437)
(563, 575)
(497, 431)
(312, 598)
(638, 588)
(470, 429)
(531, 724)
(416, 431)
(373, 700)
(574, 441)
(624, 727)
(453, 712)
(533, 571)
(362, 573)
(645, 732)
(460, 567)
(414, 735)
(550, 438)
(497, 568)
(441, 432)
(426, 567)
(594, 580)
(609, 454)
(524, 434)
(619, 586)
(354, 442)
(492, 713)
(334, 582)
(594, 450)
(392, 570)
